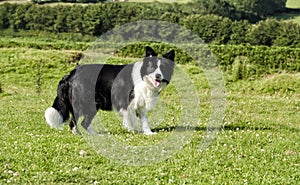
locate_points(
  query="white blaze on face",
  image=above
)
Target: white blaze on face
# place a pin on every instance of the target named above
(156, 82)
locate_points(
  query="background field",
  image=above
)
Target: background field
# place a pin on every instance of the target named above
(295, 16)
(293, 4)
(258, 141)
(164, 1)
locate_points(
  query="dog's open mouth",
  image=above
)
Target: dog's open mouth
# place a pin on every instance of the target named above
(156, 82)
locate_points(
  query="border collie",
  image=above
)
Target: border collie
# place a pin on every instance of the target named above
(132, 90)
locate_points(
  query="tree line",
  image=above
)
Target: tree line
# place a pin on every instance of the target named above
(252, 10)
(97, 19)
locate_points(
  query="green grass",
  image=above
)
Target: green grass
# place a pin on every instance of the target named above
(293, 4)
(294, 16)
(258, 143)
(163, 1)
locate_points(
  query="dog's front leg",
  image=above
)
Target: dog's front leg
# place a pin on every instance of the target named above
(145, 125)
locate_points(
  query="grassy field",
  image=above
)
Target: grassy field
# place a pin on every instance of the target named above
(293, 4)
(163, 1)
(291, 16)
(258, 142)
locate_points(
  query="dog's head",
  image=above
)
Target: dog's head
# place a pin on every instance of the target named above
(157, 71)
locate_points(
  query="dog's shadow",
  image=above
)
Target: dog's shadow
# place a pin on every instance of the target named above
(222, 128)
(205, 129)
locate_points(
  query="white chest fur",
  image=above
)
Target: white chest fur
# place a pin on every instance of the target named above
(144, 97)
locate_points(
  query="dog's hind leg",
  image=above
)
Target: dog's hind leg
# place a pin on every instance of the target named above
(73, 125)
(126, 120)
(87, 123)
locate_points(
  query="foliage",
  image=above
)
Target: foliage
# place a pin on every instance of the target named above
(252, 10)
(288, 35)
(248, 61)
(67, 1)
(264, 33)
(211, 28)
(219, 30)
(97, 19)
(242, 61)
(272, 32)
(254, 61)
(217, 7)
(94, 20)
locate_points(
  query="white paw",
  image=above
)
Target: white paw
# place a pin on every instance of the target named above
(129, 128)
(149, 132)
(75, 131)
(91, 131)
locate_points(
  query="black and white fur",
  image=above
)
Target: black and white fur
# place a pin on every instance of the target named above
(132, 90)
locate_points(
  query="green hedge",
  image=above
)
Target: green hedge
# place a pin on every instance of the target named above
(252, 10)
(244, 62)
(94, 20)
(283, 58)
(218, 30)
(67, 1)
(256, 60)
(240, 62)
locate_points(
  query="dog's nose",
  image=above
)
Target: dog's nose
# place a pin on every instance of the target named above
(157, 76)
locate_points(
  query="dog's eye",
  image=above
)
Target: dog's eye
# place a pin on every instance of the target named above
(150, 69)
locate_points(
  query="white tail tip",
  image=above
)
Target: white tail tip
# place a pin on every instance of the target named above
(54, 118)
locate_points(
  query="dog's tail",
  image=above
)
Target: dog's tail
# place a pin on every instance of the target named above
(59, 112)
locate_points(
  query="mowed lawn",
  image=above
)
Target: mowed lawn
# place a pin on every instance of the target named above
(258, 141)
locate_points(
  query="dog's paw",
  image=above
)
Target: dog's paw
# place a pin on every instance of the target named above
(75, 131)
(91, 131)
(149, 132)
(127, 127)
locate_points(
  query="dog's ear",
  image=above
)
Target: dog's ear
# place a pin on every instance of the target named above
(150, 52)
(170, 55)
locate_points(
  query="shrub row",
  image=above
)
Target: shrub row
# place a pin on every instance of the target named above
(273, 58)
(87, 20)
(252, 10)
(245, 62)
(218, 30)
(242, 62)
(67, 1)
(99, 18)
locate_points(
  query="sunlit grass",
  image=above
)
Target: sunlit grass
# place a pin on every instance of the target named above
(258, 142)
(293, 4)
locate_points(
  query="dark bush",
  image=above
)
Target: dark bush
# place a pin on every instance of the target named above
(264, 33)
(288, 35)
(211, 28)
